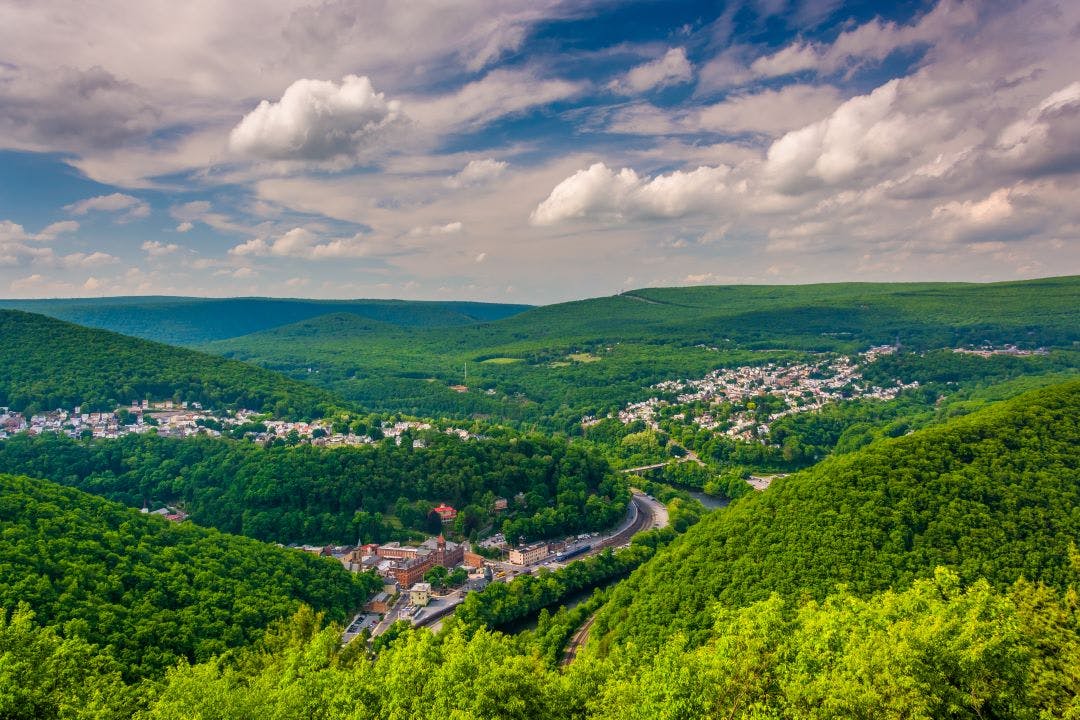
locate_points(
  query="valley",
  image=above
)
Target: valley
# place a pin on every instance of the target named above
(740, 479)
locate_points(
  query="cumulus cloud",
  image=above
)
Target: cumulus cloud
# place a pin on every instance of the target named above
(318, 120)
(153, 248)
(863, 134)
(17, 246)
(130, 207)
(477, 172)
(52, 231)
(184, 226)
(302, 243)
(81, 260)
(601, 193)
(672, 69)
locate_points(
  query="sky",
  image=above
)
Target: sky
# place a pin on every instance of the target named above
(532, 151)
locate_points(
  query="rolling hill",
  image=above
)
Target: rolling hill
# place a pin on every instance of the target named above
(193, 321)
(47, 364)
(555, 363)
(991, 495)
(149, 592)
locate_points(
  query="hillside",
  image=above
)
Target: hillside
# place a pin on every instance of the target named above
(47, 364)
(192, 321)
(321, 495)
(148, 592)
(992, 495)
(553, 364)
(910, 526)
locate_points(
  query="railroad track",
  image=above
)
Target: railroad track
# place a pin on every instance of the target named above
(577, 641)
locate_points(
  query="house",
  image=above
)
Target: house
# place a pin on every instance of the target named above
(473, 560)
(420, 594)
(445, 512)
(500, 504)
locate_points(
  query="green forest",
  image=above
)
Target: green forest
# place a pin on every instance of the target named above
(991, 495)
(371, 493)
(931, 575)
(47, 364)
(150, 593)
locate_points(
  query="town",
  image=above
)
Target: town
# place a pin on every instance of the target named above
(181, 419)
(425, 582)
(731, 396)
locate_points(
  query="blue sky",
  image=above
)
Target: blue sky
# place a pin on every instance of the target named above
(532, 151)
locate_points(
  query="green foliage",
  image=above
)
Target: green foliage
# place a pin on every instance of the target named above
(990, 495)
(45, 676)
(101, 370)
(935, 650)
(500, 604)
(150, 592)
(320, 495)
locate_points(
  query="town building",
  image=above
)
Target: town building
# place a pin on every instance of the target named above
(529, 554)
(378, 604)
(420, 594)
(445, 512)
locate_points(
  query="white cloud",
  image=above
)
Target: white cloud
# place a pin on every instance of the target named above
(1047, 137)
(155, 248)
(477, 172)
(184, 226)
(672, 69)
(481, 257)
(498, 94)
(92, 284)
(51, 232)
(318, 120)
(131, 207)
(872, 41)
(450, 228)
(89, 259)
(600, 193)
(302, 243)
(863, 134)
(768, 112)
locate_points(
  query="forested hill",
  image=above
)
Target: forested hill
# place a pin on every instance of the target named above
(192, 321)
(992, 495)
(556, 363)
(146, 591)
(47, 363)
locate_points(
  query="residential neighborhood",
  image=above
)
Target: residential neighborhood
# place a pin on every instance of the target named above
(181, 420)
(799, 387)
